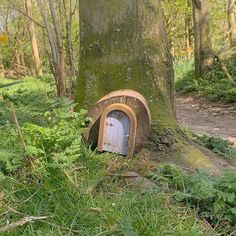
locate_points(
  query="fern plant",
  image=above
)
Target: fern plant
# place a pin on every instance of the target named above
(59, 143)
(214, 198)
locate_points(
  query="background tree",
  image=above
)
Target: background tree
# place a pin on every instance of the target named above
(54, 32)
(232, 22)
(18, 57)
(2, 75)
(178, 22)
(203, 54)
(70, 9)
(33, 38)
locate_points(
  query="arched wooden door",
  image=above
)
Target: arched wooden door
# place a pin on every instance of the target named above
(117, 132)
(128, 101)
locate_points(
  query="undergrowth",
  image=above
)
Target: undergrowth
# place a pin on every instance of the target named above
(52, 173)
(215, 86)
(213, 198)
(220, 146)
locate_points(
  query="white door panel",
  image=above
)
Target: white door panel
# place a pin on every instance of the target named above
(117, 131)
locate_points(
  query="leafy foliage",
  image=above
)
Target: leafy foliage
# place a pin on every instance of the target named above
(219, 146)
(214, 198)
(69, 183)
(215, 86)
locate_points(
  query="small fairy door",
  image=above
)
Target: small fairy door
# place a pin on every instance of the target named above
(117, 132)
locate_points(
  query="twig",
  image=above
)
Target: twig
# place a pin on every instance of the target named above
(62, 227)
(23, 13)
(112, 164)
(21, 222)
(22, 67)
(224, 68)
(17, 125)
(20, 134)
(123, 175)
(232, 233)
(70, 179)
(15, 211)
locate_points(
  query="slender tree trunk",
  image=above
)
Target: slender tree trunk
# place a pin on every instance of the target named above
(68, 14)
(56, 45)
(33, 39)
(232, 22)
(203, 53)
(17, 57)
(60, 49)
(124, 46)
(188, 33)
(2, 74)
(188, 41)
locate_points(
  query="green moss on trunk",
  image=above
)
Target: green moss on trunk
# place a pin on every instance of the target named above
(124, 46)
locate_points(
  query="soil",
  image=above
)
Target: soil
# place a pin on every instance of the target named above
(202, 116)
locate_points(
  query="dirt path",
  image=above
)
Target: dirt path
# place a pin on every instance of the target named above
(204, 117)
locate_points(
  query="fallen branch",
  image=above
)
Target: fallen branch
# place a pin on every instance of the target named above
(22, 67)
(21, 222)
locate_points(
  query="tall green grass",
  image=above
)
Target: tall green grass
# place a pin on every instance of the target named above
(70, 183)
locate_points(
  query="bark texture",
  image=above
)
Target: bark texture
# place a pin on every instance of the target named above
(33, 39)
(124, 46)
(54, 32)
(203, 53)
(232, 22)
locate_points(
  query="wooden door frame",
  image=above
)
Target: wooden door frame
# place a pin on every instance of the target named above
(133, 126)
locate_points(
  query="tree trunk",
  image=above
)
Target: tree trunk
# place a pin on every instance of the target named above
(56, 45)
(68, 15)
(188, 41)
(232, 22)
(60, 49)
(124, 46)
(33, 39)
(203, 54)
(188, 33)
(2, 74)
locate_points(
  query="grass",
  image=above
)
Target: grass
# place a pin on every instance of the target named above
(70, 183)
(212, 197)
(215, 86)
(220, 146)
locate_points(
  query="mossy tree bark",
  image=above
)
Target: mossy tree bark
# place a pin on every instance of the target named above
(124, 46)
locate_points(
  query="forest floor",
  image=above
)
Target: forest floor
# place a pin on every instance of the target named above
(202, 116)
